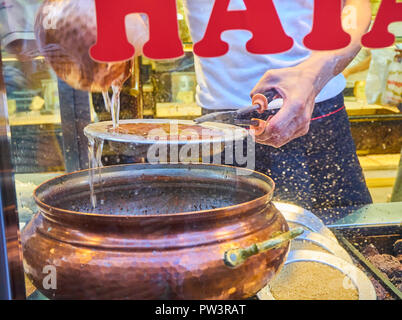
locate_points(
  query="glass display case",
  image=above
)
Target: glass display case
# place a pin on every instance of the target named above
(42, 140)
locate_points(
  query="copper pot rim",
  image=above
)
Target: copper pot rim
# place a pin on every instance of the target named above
(265, 199)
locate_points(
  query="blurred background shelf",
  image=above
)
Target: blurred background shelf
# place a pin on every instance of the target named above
(380, 172)
(355, 108)
(33, 118)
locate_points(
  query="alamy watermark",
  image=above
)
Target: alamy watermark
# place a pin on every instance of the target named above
(49, 281)
(52, 13)
(207, 145)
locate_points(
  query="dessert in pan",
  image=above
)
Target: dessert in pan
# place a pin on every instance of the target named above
(312, 275)
(180, 132)
(317, 268)
(153, 130)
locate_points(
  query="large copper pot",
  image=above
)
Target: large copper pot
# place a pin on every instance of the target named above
(165, 231)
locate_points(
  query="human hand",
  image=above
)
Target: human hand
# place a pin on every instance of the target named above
(297, 87)
(25, 50)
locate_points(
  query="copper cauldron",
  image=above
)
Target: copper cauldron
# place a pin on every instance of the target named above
(166, 231)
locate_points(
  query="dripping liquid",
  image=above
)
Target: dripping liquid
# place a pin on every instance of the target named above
(106, 100)
(95, 145)
(115, 105)
(95, 148)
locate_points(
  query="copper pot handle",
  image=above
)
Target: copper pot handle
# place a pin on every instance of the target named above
(235, 257)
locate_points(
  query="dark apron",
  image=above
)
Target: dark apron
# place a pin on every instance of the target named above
(320, 170)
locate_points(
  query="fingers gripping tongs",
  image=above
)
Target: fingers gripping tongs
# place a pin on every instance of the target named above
(259, 103)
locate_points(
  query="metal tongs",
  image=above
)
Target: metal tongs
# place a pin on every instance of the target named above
(259, 103)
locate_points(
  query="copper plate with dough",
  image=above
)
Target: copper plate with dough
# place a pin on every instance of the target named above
(135, 137)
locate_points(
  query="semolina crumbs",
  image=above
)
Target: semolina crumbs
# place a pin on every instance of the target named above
(306, 280)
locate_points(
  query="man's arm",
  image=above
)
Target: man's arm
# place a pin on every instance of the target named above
(300, 85)
(361, 66)
(24, 49)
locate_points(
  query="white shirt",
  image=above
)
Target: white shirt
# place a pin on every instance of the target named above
(17, 18)
(226, 81)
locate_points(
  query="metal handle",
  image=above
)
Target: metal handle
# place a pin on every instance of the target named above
(261, 100)
(271, 94)
(248, 109)
(235, 257)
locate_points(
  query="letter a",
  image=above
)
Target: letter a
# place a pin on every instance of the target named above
(49, 281)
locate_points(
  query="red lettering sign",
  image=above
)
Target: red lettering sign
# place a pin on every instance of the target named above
(260, 17)
(379, 37)
(327, 33)
(112, 44)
